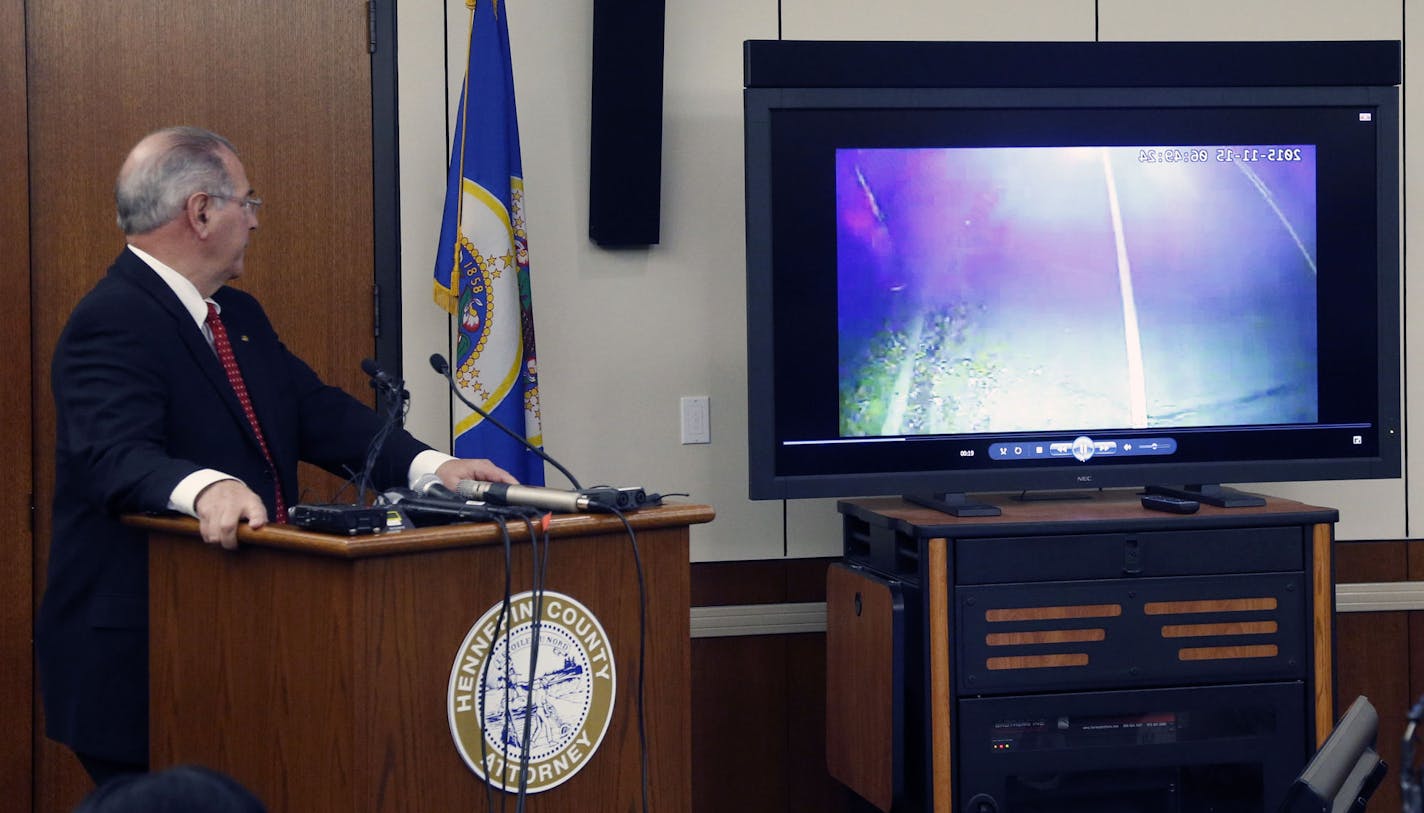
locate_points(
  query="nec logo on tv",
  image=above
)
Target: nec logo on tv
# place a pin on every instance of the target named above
(1084, 478)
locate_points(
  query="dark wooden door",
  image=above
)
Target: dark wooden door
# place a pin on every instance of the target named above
(290, 84)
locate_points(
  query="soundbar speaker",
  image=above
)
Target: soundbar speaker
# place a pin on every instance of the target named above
(625, 145)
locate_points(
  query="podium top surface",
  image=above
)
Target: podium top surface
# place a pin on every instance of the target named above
(419, 540)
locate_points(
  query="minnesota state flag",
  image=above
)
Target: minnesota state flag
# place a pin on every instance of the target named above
(482, 263)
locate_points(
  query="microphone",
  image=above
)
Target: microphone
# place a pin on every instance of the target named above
(429, 485)
(429, 511)
(441, 366)
(392, 388)
(380, 377)
(550, 499)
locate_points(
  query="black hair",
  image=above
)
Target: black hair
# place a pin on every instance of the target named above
(180, 789)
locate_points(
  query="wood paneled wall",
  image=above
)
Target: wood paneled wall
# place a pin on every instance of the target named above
(758, 702)
(16, 554)
(290, 85)
(1381, 654)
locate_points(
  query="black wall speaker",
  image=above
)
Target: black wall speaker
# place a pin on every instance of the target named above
(626, 141)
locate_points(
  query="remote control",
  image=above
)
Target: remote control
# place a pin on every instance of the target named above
(1174, 505)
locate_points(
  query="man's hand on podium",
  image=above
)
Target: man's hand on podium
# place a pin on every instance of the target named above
(451, 472)
(222, 506)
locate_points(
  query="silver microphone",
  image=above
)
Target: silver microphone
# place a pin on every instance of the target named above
(550, 499)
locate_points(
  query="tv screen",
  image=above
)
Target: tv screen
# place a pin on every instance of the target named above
(1067, 282)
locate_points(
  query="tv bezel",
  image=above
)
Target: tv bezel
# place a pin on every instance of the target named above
(1063, 75)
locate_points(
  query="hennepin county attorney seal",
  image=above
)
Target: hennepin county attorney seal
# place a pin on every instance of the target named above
(564, 707)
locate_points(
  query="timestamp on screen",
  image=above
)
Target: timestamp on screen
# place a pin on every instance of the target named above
(1250, 155)
(1173, 155)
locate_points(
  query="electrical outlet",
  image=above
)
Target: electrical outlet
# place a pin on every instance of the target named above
(696, 422)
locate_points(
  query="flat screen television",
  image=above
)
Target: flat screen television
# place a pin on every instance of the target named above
(1046, 266)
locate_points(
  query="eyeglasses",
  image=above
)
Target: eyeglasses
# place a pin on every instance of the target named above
(250, 203)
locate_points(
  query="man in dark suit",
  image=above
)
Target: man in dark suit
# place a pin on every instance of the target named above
(174, 393)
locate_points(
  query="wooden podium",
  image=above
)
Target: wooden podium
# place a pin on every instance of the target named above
(314, 668)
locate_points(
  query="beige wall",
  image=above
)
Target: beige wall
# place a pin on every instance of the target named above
(680, 305)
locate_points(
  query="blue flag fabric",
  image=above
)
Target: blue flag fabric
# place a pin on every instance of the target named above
(482, 262)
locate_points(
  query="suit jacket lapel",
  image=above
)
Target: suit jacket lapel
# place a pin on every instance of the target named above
(135, 271)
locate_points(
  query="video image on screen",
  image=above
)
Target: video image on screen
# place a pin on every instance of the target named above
(1010, 289)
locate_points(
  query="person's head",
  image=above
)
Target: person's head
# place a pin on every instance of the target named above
(183, 196)
(165, 169)
(181, 789)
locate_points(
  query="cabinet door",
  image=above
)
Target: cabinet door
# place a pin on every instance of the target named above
(866, 659)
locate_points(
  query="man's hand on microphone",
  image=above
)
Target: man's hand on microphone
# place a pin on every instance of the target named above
(452, 472)
(222, 506)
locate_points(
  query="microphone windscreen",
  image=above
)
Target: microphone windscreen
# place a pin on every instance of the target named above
(370, 367)
(429, 485)
(439, 364)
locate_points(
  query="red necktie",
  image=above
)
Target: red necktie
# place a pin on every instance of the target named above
(234, 377)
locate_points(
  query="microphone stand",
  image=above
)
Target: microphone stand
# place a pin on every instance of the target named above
(357, 517)
(391, 392)
(441, 366)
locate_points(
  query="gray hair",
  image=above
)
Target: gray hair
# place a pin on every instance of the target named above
(156, 187)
